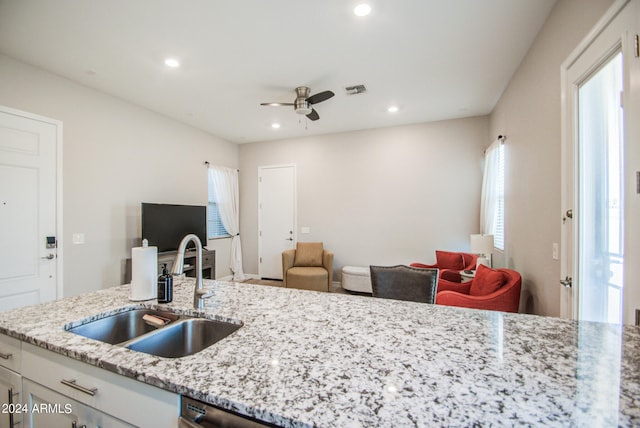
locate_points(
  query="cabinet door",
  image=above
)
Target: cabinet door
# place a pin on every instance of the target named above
(10, 395)
(50, 409)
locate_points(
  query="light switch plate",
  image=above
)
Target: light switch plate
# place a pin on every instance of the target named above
(305, 230)
(555, 251)
(78, 238)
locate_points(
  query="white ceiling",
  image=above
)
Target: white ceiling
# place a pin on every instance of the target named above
(434, 59)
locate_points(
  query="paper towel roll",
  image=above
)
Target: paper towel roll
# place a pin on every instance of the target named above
(144, 273)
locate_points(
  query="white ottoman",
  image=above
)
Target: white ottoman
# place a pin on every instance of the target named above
(356, 278)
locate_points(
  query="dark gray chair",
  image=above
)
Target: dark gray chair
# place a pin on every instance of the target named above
(404, 283)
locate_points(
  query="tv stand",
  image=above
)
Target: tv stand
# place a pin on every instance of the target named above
(168, 257)
(208, 263)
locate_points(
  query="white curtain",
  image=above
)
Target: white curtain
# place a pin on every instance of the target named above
(490, 189)
(225, 182)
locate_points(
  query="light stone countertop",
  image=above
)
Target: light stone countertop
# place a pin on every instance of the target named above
(307, 359)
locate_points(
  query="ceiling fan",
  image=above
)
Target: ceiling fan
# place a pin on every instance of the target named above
(303, 102)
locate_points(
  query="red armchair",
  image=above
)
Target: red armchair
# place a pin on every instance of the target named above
(450, 264)
(471, 294)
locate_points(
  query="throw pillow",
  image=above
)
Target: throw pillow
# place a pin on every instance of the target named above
(449, 260)
(308, 254)
(486, 281)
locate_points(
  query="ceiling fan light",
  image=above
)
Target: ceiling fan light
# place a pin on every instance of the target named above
(302, 107)
(303, 110)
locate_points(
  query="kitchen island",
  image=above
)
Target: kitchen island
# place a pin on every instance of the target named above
(305, 359)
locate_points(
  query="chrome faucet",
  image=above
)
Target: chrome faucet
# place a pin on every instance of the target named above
(178, 268)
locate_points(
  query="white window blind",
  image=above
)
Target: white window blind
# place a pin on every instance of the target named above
(498, 234)
(215, 229)
(492, 198)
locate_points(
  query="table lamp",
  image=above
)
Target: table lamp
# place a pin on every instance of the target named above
(482, 245)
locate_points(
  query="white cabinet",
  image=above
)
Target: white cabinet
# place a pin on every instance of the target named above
(123, 398)
(10, 382)
(10, 398)
(50, 409)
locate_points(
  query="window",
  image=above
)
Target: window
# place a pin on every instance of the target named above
(498, 233)
(492, 200)
(215, 229)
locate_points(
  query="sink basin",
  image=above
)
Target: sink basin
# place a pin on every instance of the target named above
(183, 338)
(121, 327)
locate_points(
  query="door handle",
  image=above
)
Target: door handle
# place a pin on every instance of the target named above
(11, 418)
(567, 282)
(289, 239)
(48, 257)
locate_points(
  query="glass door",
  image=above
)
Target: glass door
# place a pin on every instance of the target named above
(600, 193)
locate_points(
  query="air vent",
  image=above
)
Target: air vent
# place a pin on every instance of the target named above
(354, 90)
(196, 409)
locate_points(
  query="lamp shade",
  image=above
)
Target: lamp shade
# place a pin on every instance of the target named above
(482, 244)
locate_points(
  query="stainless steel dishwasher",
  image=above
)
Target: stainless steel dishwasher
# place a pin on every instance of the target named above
(196, 414)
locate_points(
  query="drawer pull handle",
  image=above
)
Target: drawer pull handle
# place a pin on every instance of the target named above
(5, 356)
(10, 401)
(72, 383)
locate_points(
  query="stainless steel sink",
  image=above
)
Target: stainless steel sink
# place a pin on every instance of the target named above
(183, 338)
(178, 337)
(122, 327)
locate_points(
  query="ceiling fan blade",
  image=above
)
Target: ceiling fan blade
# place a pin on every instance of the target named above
(313, 115)
(320, 97)
(276, 104)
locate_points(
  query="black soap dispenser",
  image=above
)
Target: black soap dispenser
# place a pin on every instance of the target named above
(165, 286)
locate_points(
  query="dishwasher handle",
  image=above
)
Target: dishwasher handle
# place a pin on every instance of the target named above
(219, 418)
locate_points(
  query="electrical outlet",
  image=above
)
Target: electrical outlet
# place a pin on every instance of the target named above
(555, 251)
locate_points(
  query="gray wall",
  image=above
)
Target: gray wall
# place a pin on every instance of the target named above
(383, 196)
(115, 155)
(529, 114)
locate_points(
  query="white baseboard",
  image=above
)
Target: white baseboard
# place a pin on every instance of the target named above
(334, 284)
(246, 275)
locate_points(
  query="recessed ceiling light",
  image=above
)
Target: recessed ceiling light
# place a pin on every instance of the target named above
(275, 125)
(392, 109)
(362, 9)
(172, 62)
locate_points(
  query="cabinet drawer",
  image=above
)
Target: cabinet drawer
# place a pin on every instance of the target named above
(10, 353)
(61, 411)
(207, 259)
(116, 395)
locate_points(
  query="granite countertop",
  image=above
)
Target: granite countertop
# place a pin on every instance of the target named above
(307, 359)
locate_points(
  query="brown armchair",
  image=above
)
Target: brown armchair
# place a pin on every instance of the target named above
(308, 267)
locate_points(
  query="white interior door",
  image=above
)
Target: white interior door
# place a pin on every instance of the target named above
(276, 218)
(28, 209)
(595, 227)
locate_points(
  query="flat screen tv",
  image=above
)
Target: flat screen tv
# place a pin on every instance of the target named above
(164, 225)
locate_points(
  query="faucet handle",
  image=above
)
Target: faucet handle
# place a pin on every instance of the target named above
(204, 293)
